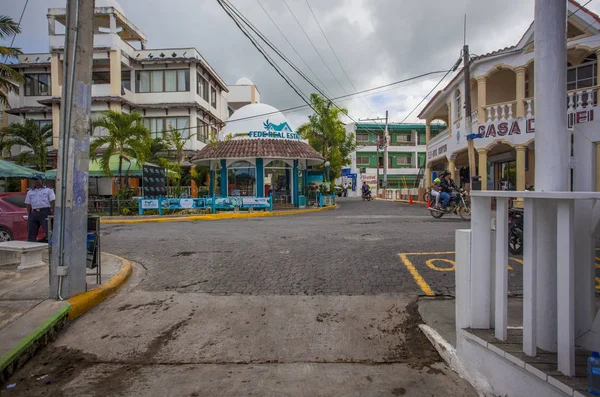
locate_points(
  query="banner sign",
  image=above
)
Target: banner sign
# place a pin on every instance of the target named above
(256, 202)
(149, 204)
(153, 181)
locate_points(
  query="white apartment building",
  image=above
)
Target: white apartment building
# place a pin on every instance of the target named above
(168, 86)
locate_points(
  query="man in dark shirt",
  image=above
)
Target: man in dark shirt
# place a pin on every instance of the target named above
(446, 184)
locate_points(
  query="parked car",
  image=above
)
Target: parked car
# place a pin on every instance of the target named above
(13, 217)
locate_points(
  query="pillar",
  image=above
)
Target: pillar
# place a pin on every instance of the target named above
(552, 146)
(295, 183)
(427, 177)
(24, 185)
(224, 182)
(452, 168)
(521, 167)
(482, 156)
(56, 75)
(520, 72)
(427, 139)
(450, 118)
(481, 99)
(115, 78)
(211, 184)
(194, 189)
(260, 178)
(598, 166)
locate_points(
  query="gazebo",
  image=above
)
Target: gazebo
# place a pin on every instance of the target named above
(258, 154)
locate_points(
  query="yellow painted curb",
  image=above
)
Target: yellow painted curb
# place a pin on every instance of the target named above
(83, 302)
(212, 217)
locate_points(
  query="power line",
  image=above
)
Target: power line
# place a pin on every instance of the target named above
(265, 55)
(18, 26)
(313, 45)
(335, 55)
(292, 46)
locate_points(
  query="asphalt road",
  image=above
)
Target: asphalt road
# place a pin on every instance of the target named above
(350, 251)
(318, 304)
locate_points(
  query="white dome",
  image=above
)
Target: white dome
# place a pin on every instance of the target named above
(244, 81)
(110, 3)
(257, 117)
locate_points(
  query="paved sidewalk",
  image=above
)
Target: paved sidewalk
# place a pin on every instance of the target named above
(26, 313)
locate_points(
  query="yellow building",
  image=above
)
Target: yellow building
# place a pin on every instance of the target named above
(502, 90)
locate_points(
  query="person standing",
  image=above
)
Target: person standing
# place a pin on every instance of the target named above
(345, 189)
(40, 204)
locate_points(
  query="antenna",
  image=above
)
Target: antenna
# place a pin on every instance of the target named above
(465, 31)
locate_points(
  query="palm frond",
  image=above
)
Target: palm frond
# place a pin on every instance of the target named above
(8, 27)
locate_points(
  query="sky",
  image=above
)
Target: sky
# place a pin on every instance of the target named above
(376, 41)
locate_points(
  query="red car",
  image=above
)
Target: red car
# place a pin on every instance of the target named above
(13, 217)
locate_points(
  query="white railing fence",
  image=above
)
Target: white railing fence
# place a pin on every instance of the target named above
(577, 100)
(501, 111)
(482, 262)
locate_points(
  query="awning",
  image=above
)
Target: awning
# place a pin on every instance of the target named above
(132, 168)
(12, 170)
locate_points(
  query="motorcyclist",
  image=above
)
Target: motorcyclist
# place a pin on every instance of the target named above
(446, 186)
(435, 191)
(365, 189)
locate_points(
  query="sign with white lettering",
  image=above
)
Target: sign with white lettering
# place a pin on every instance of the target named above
(149, 204)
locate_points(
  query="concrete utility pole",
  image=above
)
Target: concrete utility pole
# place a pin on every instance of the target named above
(69, 249)
(385, 155)
(468, 121)
(552, 152)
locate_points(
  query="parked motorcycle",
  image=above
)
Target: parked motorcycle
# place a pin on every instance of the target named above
(367, 196)
(515, 231)
(458, 205)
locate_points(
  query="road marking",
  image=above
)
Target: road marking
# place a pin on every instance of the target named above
(418, 278)
(429, 253)
(432, 266)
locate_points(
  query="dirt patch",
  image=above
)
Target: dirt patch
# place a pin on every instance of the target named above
(399, 391)
(128, 306)
(49, 371)
(415, 349)
(327, 318)
(435, 371)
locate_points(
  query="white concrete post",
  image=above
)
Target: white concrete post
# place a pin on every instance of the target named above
(463, 279)
(501, 265)
(481, 244)
(566, 288)
(529, 279)
(552, 143)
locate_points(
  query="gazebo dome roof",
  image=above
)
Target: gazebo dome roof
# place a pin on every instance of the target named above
(255, 117)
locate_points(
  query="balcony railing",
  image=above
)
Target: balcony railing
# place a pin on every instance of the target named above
(501, 111)
(482, 262)
(440, 137)
(577, 100)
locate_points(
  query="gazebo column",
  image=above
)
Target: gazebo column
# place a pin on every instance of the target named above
(224, 178)
(211, 187)
(295, 183)
(260, 178)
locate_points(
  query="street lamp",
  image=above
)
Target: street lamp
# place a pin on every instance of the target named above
(327, 164)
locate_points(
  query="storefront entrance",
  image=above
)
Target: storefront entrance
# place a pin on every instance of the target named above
(505, 175)
(278, 182)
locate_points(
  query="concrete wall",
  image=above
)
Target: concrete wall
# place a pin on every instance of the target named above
(501, 87)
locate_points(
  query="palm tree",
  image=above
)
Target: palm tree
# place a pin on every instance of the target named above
(127, 138)
(8, 76)
(29, 135)
(176, 141)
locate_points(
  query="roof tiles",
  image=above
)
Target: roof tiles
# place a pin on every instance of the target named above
(258, 148)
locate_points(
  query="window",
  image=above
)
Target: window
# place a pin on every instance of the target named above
(157, 125)
(202, 133)
(362, 137)
(404, 160)
(37, 85)
(100, 77)
(213, 131)
(583, 75)
(213, 97)
(202, 88)
(126, 80)
(403, 138)
(458, 104)
(176, 80)
(362, 160)
(41, 123)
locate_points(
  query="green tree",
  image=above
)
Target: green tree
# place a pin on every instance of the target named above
(8, 76)
(156, 147)
(176, 141)
(326, 133)
(126, 137)
(29, 135)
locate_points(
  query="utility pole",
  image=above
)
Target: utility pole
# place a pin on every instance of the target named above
(69, 249)
(468, 121)
(385, 155)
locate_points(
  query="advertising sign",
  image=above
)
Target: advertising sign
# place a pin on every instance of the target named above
(255, 202)
(153, 181)
(371, 180)
(186, 203)
(149, 204)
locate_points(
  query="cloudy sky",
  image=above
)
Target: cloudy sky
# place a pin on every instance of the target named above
(376, 41)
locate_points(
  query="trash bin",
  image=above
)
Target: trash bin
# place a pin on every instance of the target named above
(476, 182)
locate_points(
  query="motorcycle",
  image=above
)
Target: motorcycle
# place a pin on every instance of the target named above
(515, 231)
(367, 196)
(458, 205)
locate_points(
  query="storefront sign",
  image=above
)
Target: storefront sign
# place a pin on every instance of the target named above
(437, 151)
(277, 131)
(370, 179)
(186, 203)
(150, 204)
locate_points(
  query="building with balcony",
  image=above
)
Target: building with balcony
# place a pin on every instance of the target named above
(169, 86)
(406, 153)
(503, 117)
